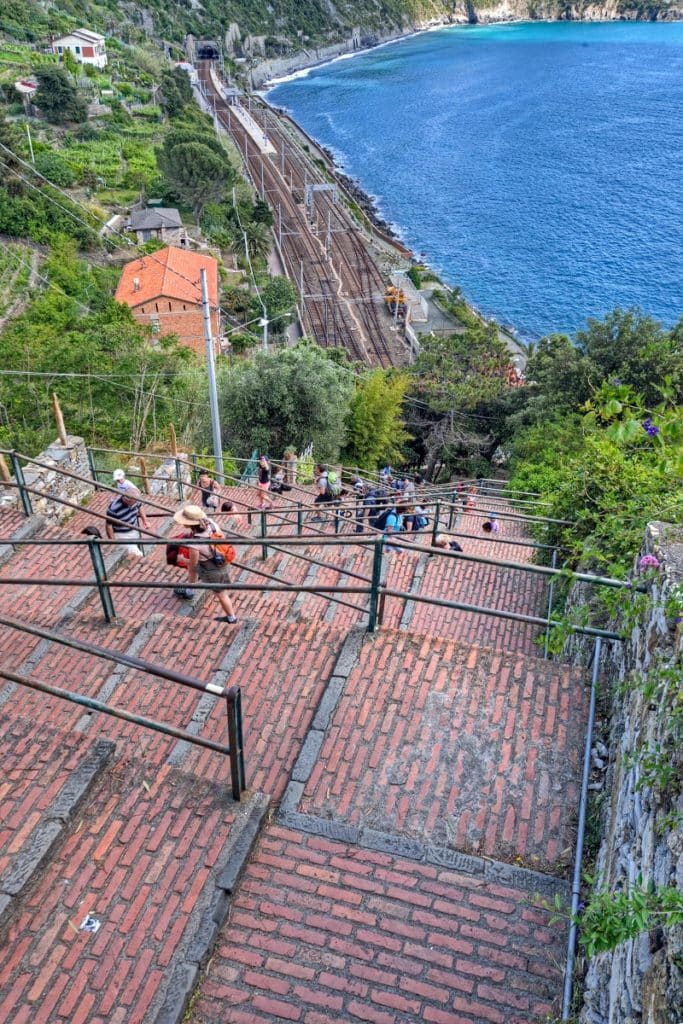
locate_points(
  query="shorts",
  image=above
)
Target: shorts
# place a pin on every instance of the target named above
(210, 573)
(129, 535)
(263, 487)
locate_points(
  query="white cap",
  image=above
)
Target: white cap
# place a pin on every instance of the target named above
(118, 474)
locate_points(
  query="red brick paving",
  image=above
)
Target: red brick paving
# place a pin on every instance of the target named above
(320, 931)
(36, 761)
(282, 671)
(460, 746)
(325, 933)
(137, 859)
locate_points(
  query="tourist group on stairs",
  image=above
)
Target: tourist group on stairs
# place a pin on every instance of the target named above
(392, 507)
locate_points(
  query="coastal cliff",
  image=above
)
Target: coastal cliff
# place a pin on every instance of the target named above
(407, 17)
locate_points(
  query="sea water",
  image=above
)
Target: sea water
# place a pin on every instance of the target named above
(539, 166)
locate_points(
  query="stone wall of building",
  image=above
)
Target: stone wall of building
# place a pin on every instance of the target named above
(641, 981)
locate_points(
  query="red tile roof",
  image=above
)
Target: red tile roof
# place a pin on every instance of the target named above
(170, 273)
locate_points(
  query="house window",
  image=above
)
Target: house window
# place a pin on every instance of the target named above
(60, 49)
(142, 309)
(78, 49)
(170, 307)
(154, 324)
(156, 306)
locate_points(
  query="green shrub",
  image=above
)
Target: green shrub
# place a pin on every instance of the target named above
(55, 168)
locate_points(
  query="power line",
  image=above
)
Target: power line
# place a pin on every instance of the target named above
(79, 220)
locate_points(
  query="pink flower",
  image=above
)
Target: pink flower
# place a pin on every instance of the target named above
(649, 562)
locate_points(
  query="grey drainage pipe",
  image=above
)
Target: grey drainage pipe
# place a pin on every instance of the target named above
(576, 885)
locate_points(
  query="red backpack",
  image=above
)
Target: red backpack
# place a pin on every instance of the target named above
(178, 554)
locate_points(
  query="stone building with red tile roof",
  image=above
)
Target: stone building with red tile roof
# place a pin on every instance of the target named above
(164, 292)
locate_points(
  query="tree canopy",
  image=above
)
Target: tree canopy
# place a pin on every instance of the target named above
(282, 398)
(57, 97)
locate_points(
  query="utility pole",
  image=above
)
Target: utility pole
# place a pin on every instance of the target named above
(30, 143)
(279, 210)
(211, 368)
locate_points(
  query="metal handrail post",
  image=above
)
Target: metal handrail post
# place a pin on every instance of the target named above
(581, 830)
(375, 584)
(21, 484)
(450, 510)
(382, 601)
(264, 534)
(337, 519)
(299, 522)
(194, 462)
(179, 479)
(551, 594)
(435, 524)
(235, 741)
(93, 467)
(101, 577)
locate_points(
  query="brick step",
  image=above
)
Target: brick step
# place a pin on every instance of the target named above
(281, 667)
(47, 773)
(463, 747)
(152, 855)
(321, 930)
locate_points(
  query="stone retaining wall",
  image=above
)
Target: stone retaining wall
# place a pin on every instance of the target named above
(52, 483)
(57, 488)
(642, 979)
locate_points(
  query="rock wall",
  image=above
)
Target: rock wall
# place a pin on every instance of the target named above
(56, 487)
(641, 981)
(464, 12)
(52, 483)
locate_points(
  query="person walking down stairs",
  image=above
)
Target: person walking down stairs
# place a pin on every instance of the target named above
(208, 562)
(124, 515)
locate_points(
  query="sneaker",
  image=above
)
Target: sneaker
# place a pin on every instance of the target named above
(184, 592)
(232, 619)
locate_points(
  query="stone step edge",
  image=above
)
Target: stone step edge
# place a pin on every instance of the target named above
(50, 829)
(29, 528)
(209, 914)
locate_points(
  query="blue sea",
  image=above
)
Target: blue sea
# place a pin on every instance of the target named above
(538, 166)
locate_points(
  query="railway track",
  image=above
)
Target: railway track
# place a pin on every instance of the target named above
(341, 287)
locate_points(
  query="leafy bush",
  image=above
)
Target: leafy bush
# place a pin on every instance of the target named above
(55, 168)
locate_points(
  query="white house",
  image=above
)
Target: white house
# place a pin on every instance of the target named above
(86, 46)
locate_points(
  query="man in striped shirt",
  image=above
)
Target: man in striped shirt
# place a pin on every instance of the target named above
(124, 515)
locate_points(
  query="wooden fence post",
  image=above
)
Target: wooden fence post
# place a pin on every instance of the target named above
(59, 420)
(145, 478)
(173, 440)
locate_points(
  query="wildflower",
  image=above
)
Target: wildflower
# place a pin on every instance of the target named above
(650, 428)
(649, 562)
(615, 381)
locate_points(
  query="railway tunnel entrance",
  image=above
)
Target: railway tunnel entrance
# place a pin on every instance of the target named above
(207, 49)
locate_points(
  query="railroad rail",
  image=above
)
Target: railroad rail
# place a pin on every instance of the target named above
(341, 287)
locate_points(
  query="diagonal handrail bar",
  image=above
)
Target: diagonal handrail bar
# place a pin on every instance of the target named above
(95, 705)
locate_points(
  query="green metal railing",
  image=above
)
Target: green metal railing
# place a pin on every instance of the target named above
(234, 750)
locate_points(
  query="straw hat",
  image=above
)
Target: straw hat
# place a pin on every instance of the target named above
(191, 515)
(441, 540)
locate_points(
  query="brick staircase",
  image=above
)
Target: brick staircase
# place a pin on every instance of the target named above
(411, 793)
